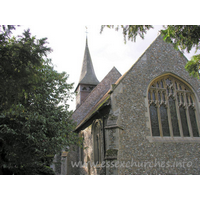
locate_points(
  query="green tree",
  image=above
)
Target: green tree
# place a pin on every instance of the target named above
(183, 37)
(35, 121)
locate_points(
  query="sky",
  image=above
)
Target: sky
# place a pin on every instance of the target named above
(106, 49)
(63, 23)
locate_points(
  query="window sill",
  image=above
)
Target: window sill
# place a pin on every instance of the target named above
(174, 139)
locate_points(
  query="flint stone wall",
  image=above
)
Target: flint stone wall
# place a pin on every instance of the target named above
(137, 155)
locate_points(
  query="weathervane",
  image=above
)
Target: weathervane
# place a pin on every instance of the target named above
(86, 28)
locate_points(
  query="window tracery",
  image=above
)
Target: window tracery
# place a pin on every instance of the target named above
(172, 109)
(98, 142)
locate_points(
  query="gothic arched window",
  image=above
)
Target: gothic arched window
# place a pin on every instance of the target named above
(81, 148)
(172, 108)
(98, 142)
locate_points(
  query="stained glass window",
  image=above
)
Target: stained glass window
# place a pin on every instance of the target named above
(149, 96)
(184, 122)
(176, 85)
(191, 99)
(167, 90)
(178, 98)
(163, 96)
(174, 119)
(172, 91)
(164, 120)
(187, 99)
(168, 81)
(182, 98)
(154, 96)
(168, 111)
(154, 121)
(193, 122)
(161, 84)
(159, 97)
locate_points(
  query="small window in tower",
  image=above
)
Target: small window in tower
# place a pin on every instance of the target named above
(84, 88)
(91, 88)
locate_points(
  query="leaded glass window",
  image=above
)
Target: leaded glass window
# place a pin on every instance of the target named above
(159, 97)
(164, 120)
(163, 96)
(172, 91)
(172, 108)
(168, 90)
(149, 96)
(178, 97)
(176, 85)
(161, 84)
(193, 122)
(154, 121)
(187, 99)
(154, 97)
(98, 142)
(182, 98)
(191, 99)
(174, 119)
(184, 122)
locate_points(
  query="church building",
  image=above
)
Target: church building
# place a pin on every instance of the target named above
(146, 121)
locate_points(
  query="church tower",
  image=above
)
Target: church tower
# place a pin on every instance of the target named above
(88, 80)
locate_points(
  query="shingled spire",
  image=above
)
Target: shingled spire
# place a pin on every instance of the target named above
(87, 73)
(88, 79)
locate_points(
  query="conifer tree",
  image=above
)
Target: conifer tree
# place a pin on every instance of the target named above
(35, 121)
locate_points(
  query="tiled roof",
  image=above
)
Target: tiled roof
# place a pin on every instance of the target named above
(102, 102)
(96, 97)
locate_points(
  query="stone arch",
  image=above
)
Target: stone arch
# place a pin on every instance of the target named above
(172, 107)
(175, 76)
